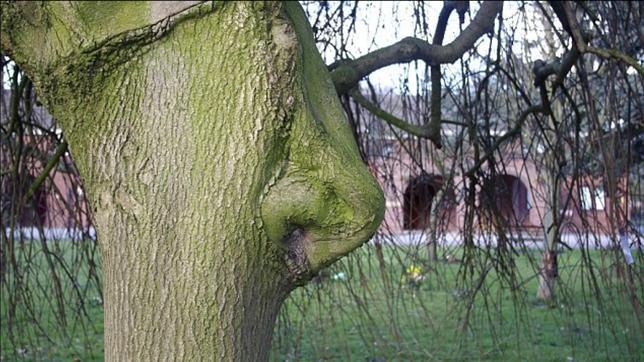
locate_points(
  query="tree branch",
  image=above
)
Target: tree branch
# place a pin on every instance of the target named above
(573, 27)
(566, 15)
(53, 161)
(614, 53)
(420, 131)
(560, 68)
(434, 126)
(347, 73)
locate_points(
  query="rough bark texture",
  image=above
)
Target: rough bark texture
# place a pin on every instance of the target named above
(216, 157)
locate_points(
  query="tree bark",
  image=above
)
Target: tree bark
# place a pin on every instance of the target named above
(548, 276)
(552, 220)
(215, 155)
(437, 204)
(552, 229)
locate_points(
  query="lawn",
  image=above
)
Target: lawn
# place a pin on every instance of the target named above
(393, 304)
(373, 315)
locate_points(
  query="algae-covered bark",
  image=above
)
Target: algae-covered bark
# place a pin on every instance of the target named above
(216, 157)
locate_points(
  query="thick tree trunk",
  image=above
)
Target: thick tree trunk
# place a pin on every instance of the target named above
(217, 159)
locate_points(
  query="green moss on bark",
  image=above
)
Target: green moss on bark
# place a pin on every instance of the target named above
(326, 191)
(203, 147)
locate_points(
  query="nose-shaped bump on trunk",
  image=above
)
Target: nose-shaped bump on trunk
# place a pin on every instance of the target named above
(327, 195)
(326, 203)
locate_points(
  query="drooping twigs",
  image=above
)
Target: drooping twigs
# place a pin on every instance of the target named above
(581, 37)
(510, 134)
(541, 70)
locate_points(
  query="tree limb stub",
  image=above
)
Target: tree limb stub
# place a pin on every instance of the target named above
(316, 211)
(560, 67)
(348, 73)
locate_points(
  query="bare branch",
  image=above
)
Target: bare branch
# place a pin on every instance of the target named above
(53, 161)
(560, 68)
(573, 29)
(566, 15)
(434, 126)
(614, 53)
(420, 131)
(346, 74)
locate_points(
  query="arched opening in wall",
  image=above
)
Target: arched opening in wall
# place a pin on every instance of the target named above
(505, 197)
(418, 199)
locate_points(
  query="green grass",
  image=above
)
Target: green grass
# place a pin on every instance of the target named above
(374, 315)
(82, 337)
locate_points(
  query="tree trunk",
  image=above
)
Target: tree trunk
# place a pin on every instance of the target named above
(552, 184)
(552, 226)
(548, 272)
(215, 155)
(548, 276)
(552, 231)
(437, 204)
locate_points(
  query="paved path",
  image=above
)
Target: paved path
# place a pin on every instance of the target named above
(574, 241)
